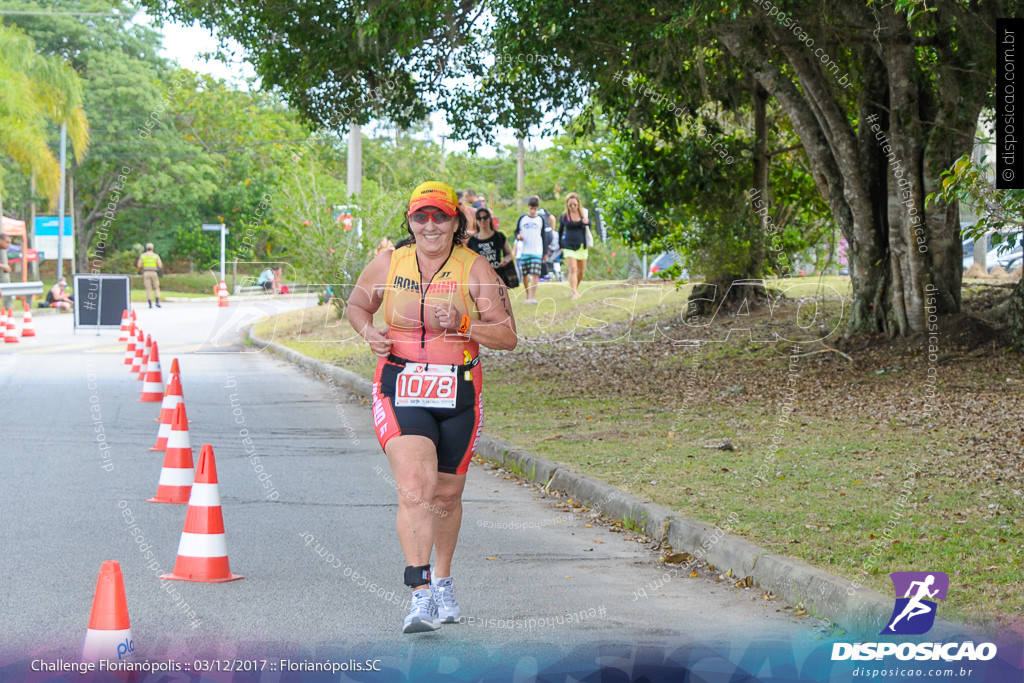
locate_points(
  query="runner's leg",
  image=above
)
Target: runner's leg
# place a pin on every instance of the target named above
(448, 502)
(414, 465)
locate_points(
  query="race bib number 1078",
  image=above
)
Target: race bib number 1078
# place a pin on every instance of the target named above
(424, 386)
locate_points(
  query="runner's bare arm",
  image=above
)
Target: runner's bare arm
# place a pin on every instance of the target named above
(496, 328)
(364, 301)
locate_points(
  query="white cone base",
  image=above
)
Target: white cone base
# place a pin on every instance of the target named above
(107, 645)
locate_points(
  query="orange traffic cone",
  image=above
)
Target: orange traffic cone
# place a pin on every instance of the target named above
(11, 335)
(176, 475)
(28, 329)
(165, 414)
(222, 294)
(109, 637)
(126, 326)
(140, 349)
(129, 353)
(153, 387)
(172, 397)
(144, 362)
(203, 551)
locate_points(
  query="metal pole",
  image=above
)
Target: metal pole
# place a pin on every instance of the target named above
(354, 179)
(520, 172)
(222, 252)
(60, 201)
(99, 305)
(32, 228)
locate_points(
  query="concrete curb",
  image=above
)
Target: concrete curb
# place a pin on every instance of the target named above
(861, 611)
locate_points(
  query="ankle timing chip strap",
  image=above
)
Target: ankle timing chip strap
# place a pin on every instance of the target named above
(417, 576)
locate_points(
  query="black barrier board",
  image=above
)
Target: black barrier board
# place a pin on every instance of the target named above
(101, 299)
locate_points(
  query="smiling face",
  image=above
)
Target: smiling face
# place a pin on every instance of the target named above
(433, 229)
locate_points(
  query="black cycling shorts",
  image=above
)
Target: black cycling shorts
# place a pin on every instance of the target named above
(454, 431)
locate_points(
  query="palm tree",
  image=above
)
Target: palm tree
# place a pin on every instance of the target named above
(35, 91)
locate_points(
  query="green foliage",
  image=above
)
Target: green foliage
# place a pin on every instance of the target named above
(309, 238)
(36, 91)
(612, 261)
(248, 137)
(120, 262)
(1002, 210)
(370, 61)
(968, 182)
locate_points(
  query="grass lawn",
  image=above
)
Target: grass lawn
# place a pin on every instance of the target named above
(809, 444)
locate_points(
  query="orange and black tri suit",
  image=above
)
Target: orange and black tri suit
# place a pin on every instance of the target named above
(430, 384)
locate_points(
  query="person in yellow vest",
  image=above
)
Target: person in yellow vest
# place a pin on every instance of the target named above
(441, 302)
(151, 266)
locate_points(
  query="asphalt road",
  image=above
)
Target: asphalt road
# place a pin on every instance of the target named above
(319, 511)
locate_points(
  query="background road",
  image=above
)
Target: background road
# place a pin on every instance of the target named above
(521, 563)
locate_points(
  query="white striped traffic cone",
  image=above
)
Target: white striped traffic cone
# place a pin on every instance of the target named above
(144, 364)
(203, 550)
(153, 386)
(109, 637)
(140, 349)
(28, 328)
(172, 398)
(222, 294)
(167, 412)
(176, 475)
(129, 352)
(126, 326)
(11, 334)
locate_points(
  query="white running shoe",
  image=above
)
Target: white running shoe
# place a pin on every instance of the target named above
(422, 613)
(444, 597)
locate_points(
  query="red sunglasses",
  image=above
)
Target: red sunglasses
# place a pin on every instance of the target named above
(438, 216)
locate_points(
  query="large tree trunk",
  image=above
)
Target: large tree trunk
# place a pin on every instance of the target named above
(1015, 316)
(760, 164)
(876, 171)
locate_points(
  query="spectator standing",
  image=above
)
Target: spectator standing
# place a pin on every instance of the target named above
(488, 242)
(151, 266)
(530, 231)
(552, 251)
(481, 203)
(574, 237)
